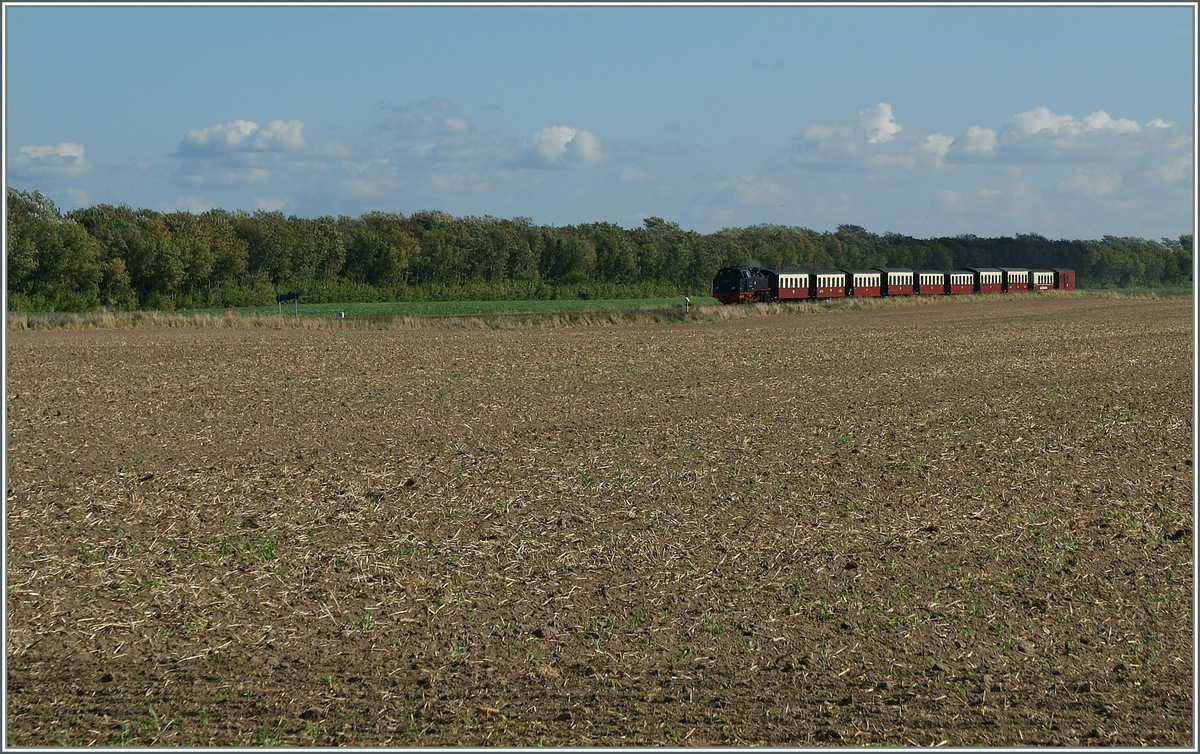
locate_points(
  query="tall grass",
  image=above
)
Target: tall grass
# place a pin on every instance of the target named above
(322, 317)
(495, 315)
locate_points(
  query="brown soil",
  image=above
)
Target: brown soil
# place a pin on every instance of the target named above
(968, 523)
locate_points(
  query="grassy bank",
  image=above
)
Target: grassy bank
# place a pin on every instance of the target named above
(499, 314)
(405, 314)
(353, 310)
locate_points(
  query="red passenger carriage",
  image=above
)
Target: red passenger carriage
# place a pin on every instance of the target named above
(1041, 280)
(794, 286)
(829, 283)
(897, 281)
(1015, 279)
(960, 281)
(930, 282)
(863, 283)
(988, 279)
(1064, 280)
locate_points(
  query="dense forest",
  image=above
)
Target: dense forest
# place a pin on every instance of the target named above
(121, 258)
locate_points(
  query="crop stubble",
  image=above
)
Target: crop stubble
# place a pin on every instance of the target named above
(966, 523)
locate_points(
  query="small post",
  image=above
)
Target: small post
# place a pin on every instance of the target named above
(687, 302)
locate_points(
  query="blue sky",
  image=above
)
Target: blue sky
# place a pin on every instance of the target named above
(1068, 121)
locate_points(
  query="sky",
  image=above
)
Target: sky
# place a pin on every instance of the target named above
(1070, 121)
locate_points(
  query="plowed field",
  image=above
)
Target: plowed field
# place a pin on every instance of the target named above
(968, 522)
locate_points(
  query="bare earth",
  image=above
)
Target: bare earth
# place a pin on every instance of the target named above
(969, 522)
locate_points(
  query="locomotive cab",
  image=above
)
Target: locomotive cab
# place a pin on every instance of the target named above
(737, 285)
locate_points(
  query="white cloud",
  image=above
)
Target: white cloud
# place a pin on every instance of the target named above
(245, 136)
(874, 126)
(1037, 120)
(241, 153)
(565, 146)
(1096, 142)
(584, 149)
(551, 143)
(64, 160)
(1091, 181)
(877, 123)
(822, 134)
(1039, 135)
(938, 145)
(438, 160)
(476, 149)
(1036, 169)
(978, 141)
(1101, 119)
(432, 117)
(1041, 119)
(1180, 169)
(871, 140)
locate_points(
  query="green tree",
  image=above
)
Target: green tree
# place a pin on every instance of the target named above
(265, 235)
(378, 251)
(71, 268)
(196, 254)
(1182, 254)
(150, 266)
(616, 258)
(656, 245)
(525, 250)
(32, 224)
(860, 248)
(159, 274)
(230, 253)
(568, 259)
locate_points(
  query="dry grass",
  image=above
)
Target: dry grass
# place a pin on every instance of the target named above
(109, 320)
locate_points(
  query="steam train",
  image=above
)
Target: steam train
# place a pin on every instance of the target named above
(744, 285)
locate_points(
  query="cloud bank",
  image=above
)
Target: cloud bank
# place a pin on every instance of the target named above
(873, 140)
(1036, 169)
(64, 160)
(564, 146)
(436, 158)
(245, 136)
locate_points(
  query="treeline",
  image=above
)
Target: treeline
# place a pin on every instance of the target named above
(121, 258)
